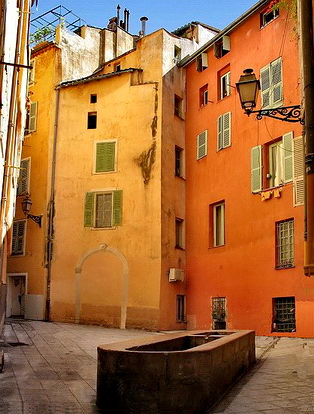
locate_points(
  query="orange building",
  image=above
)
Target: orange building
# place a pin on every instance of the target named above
(245, 190)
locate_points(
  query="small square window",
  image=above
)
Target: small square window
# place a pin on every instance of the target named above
(178, 106)
(202, 62)
(284, 314)
(224, 85)
(179, 233)
(92, 120)
(117, 67)
(269, 15)
(177, 53)
(181, 308)
(93, 98)
(178, 162)
(204, 95)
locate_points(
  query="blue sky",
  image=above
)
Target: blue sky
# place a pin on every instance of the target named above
(169, 14)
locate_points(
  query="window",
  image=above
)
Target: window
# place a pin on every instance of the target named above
(224, 85)
(218, 224)
(93, 98)
(181, 308)
(202, 62)
(204, 95)
(268, 15)
(219, 313)
(284, 314)
(23, 179)
(271, 84)
(179, 233)
(105, 156)
(224, 131)
(178, 106)
(201, 145)
(177, 54)
(222, 47)
(18, 238)
(92, 120)
(179, 162)
(285, 244)
(280, 156)
(103, 209)
(31, 118)
(31, 72)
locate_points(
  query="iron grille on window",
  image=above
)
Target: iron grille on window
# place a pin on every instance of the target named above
(219, 313)
(284, 315)
(285, 244)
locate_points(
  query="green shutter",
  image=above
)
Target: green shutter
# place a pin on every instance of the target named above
(226, 129)
(33, 117)
(256, 169)
(117, 208)
(298, 171)
(105, 156)
(288, 156)
(89, 210)
(276, 81)
(265, 86)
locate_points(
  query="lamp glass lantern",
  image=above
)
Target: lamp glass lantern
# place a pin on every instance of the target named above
(26, 205)
(248, 88)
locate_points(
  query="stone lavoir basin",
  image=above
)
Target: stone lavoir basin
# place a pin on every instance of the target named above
(184, 372)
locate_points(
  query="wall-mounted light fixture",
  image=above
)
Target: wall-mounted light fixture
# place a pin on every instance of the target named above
(26, 208)
(248, 88)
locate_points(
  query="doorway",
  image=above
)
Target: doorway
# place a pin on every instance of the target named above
(16, 295)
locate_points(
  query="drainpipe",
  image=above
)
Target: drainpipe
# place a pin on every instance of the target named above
(51, 208)
(307, 61)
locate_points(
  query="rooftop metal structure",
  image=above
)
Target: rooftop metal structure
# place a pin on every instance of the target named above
(44, 26)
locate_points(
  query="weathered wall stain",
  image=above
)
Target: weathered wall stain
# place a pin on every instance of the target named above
(147, 158)
(145, 161)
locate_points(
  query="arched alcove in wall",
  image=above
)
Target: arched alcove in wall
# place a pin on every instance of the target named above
(78, 271)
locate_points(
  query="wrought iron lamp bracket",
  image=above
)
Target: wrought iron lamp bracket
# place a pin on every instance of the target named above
(36, 219)
(284, 113)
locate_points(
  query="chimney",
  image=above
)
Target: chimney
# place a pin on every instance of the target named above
(118, 14)
(143, 20)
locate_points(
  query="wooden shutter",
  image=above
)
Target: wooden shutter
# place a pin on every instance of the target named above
(276, 82)
(226, 43)
(298, 171)
(23, 179)
(201, 145)
(89, 210)
(227, 129)
(287, 140)
(117, 208)
(265, 86)
(18, 235)
(228, 83)
(33, 117)
(105, 156)
(256, 169)
(204, 60)
(103, 210)
(220, 132)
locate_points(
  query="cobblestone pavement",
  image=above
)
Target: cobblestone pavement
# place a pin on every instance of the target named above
(55, 371)
(282, 381)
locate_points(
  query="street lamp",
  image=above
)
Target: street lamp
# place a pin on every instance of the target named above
(248, 88)
(26, 208)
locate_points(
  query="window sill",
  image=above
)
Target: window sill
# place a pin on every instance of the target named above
(222, 99)
(184, 322)
(179, 247)
(180, 177)
(102, 228)
(267, 24)
(284, 267)
(179, 116)
(216, 247)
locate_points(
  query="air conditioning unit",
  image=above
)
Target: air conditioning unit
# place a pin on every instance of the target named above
(176, 275)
